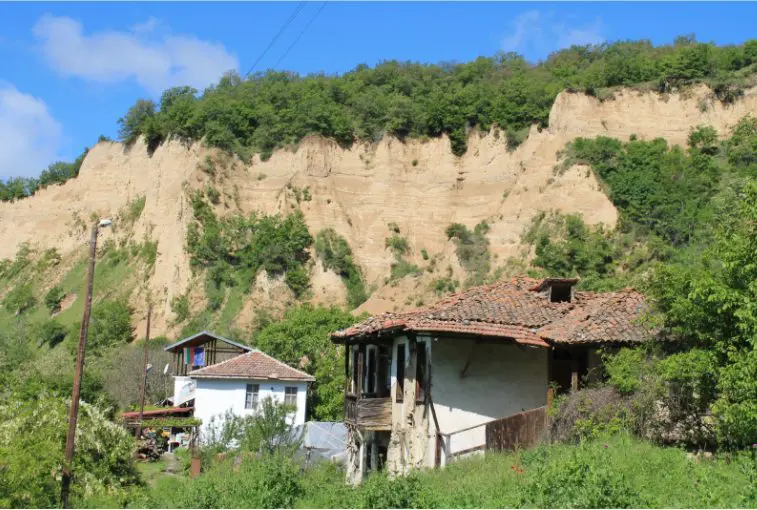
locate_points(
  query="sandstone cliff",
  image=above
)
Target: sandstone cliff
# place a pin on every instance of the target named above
(419, 185)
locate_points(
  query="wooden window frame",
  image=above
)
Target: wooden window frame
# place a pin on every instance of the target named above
(289, 395)
(251, 396)
(401, 361)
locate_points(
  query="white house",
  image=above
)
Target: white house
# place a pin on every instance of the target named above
(240, 383)
(473, 371)
(200, 350)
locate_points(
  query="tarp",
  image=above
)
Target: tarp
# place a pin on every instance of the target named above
(324, 439)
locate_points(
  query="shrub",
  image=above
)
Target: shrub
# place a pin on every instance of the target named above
(397, 244)
(472, 250)
(20, 299)
(134, 209)
(110, 325)
(53, 298)
(31, 467)
(51, 333)
(582, 480)
(180, 307)
(298, 280)
(336, 254)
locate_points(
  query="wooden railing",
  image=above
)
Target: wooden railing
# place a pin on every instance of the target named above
(369, 413)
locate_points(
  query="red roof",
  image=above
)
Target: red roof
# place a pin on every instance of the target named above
(252, 365)
(158, 412)
(520, 309)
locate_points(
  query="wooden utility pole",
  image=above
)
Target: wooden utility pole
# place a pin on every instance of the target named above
(144, 373)
(79, 368)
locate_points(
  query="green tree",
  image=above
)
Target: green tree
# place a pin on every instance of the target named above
(136, 120)
(709, 308)
(110, 324)
(301, 339)
(32, 435)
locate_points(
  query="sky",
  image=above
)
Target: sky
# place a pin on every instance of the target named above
(69, 71)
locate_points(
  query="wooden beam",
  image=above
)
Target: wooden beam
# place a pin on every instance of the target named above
(360, 365)
(573, 372)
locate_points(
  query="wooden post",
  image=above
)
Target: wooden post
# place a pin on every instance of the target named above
(78, 369)
(574, 372)
(347, 377)
(144, 373)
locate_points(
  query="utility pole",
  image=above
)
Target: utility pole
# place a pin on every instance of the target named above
(79, 368)
(144, 373)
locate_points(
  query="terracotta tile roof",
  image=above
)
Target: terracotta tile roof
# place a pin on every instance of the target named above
(607, 317)
(252, 365)
(518, 309)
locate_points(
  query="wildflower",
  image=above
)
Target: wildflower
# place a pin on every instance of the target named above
(605, 446)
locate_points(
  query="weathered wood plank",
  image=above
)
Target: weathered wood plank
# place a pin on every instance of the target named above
(519, 430)
(375, 413)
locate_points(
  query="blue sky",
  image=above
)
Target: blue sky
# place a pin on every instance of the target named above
(70, 70)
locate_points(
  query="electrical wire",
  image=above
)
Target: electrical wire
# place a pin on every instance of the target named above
(294, 14)
(300, 35)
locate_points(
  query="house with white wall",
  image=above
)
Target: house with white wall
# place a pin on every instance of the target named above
(239, 384)
(475, 370)
(200, 350)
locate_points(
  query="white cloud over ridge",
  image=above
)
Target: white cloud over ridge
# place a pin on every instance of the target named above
(29, 135)
(535, 34)
(155, 63)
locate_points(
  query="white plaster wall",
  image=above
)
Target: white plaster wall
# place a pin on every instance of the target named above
(214, 397)
(501, 379)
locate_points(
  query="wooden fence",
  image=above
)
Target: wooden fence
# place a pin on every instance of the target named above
(520, 430)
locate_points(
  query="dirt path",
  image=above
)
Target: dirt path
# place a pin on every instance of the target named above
(172, 464)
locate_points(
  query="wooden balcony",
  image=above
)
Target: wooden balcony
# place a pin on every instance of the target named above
(368, 413)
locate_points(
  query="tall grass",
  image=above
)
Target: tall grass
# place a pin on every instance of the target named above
(610, 472)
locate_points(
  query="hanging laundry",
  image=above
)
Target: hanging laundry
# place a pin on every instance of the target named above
(186, 356)
(199, 357)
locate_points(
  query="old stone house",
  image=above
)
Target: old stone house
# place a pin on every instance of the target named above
(426, 386)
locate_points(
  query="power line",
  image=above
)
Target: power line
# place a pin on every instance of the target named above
(300, 35)
(294, 14)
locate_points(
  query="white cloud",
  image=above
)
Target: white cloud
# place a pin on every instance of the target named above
(535, 34)
(156, 63)
(29, 135)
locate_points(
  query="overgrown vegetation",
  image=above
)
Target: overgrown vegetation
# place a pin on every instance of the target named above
(400, 247)
(32, 436)
(335, 254)
(472, 250)
(607, 472)
(232, 250)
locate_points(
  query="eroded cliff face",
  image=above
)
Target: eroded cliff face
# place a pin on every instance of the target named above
(420, 186)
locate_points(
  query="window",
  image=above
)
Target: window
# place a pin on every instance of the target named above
(251, 396)
(355, 363)
(560, 293)
(384, 371)
(400, 372)
(290, 396)
(370, 375)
